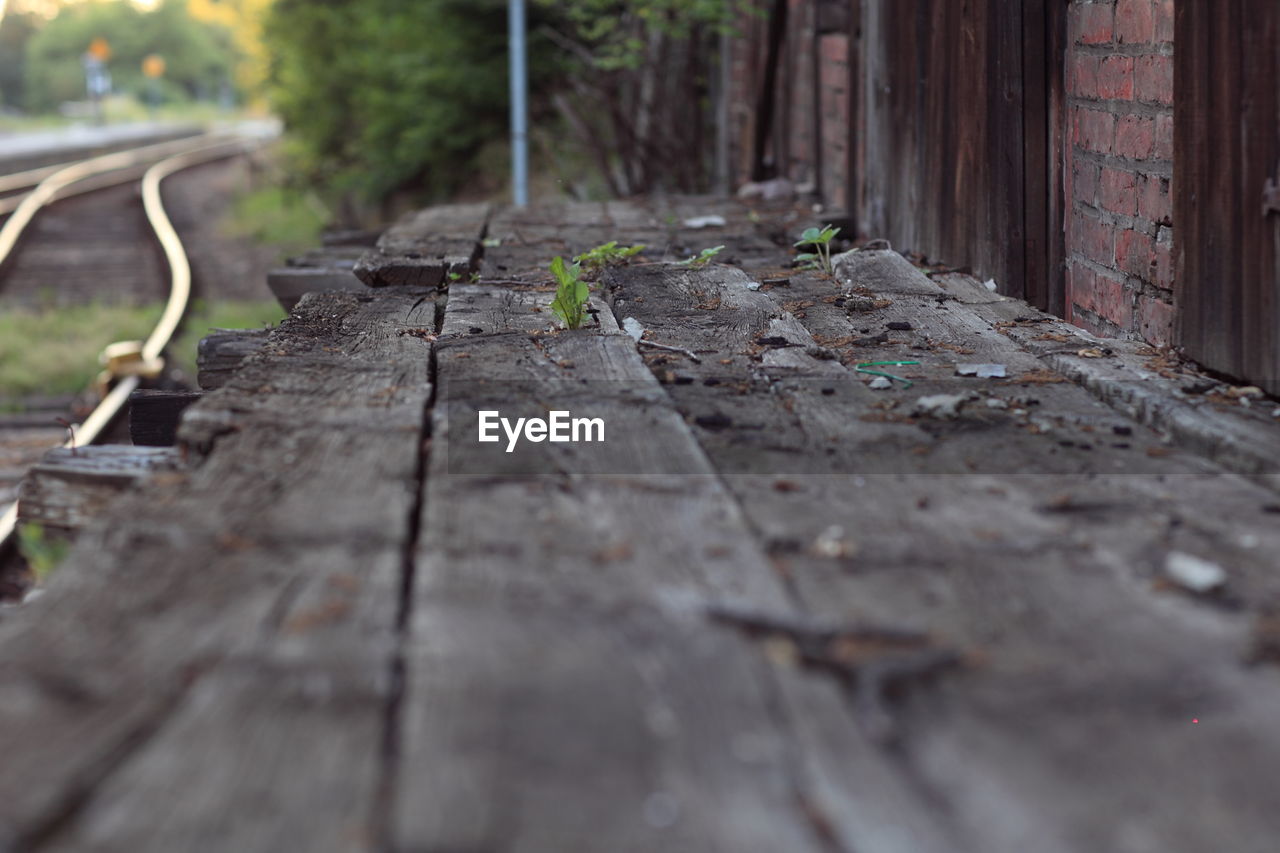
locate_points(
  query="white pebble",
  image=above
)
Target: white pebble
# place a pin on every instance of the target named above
(1193, 573)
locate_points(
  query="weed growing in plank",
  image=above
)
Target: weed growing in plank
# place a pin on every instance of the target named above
(820, 239)
(607, 254)
(571, 293)
(703, 258)
(42, 552)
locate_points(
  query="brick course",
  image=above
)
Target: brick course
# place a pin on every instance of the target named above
(1119, 160)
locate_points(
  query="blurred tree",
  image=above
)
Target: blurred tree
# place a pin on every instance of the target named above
(198, 56)
(639, 85)
(16, 30)
(244, 19)
(383, 97)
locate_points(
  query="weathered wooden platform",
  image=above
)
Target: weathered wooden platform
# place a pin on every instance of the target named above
(775, 610)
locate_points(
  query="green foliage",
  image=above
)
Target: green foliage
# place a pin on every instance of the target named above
(637, 104)
(288, 219)
(820, 240)
(202, 317)
(16, 30)
(199, 57)
(384, 96)
(54, 349)
(703, 258)
(42, 552)
(572, 293)
(615, 32)
(607, 254)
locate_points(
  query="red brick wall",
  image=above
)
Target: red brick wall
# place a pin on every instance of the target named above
(1119, 164)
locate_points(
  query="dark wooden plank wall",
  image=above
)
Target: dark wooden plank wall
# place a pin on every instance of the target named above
(942, 123)
(1227, 143)
(956, 128)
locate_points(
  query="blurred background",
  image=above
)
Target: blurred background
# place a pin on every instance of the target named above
(367, 108)
(389, 104)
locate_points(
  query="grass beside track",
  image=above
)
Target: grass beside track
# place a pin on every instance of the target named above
(55, 351)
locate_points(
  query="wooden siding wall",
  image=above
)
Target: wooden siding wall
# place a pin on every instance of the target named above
(941, 120)
(1227, 146)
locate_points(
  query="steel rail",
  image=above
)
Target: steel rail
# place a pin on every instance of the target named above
(30, 177)
(141, 158)
(179, 274)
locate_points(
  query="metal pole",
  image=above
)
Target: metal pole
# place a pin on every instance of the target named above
(519, 105)
(724, 90)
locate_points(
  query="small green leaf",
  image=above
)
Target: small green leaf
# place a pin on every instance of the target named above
(704, 257)
(607, 254)
(42, 553)
(810, 235)
(572, 293)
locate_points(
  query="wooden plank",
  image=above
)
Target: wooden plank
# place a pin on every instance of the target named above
(1228, 143)
(219, 354)
(520, 711)
(354, 237)
(68, 489)
(424, 248)
(191, 654)
(225, 765)
(520, 245)
(560, 651)
(882, 271)
(328, 257)
(154, 415)
(475, 310)
(1046, 578)
(1037, 59)
(942, 141)
(1059, 140)
(289, 284)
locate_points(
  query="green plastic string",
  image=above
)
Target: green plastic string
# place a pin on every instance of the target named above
(861, 368)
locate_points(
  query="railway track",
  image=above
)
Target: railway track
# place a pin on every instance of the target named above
(110, 252)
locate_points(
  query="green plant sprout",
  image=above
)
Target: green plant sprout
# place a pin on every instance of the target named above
(42, 553)
(820, 239)
(607, 254)
(572, 293)
(703, 258)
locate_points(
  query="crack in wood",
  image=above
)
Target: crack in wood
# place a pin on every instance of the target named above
(385, 796)
(872, 662)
